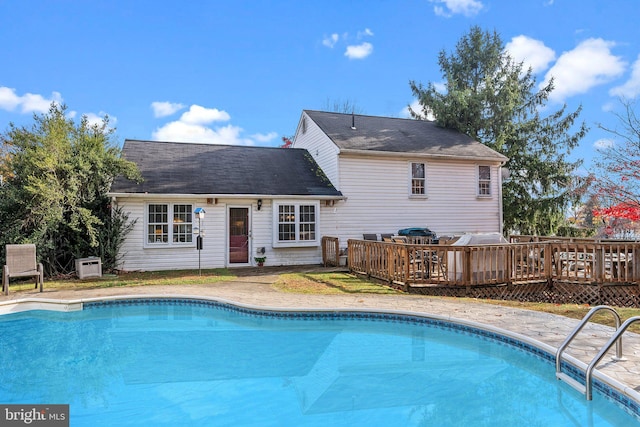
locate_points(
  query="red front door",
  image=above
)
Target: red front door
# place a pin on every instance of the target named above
(238, 235)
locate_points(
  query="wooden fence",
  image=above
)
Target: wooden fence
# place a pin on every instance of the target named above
(555, 270)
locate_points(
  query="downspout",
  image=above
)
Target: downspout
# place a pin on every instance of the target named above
(500, 204)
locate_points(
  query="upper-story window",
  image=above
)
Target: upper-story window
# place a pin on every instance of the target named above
(418, 179)
(484, 180)
(169, 224)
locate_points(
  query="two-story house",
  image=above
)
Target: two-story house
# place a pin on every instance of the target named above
(396, 173)
(346, 175)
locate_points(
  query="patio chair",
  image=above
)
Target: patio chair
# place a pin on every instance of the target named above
(373, 237)
(21, 262)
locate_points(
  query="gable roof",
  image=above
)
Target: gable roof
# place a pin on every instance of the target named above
(394, 135)
(186, 168)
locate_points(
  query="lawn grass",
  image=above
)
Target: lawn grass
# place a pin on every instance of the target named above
(147, 278)
(329, 284)
(574, 311)
(340, 283)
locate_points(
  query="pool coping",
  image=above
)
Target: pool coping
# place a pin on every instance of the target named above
(608, 386)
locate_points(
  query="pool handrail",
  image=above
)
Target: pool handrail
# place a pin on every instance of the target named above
(616, 338)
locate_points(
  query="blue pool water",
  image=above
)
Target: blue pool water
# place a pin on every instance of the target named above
(180, 363)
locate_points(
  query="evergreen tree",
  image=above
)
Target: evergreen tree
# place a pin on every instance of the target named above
(56, 175)
(495, 100)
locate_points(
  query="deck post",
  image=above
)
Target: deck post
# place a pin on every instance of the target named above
(407, 264)
(598, 264)
(466, 265)
(635, 264)
(367, 258)
(509, 267)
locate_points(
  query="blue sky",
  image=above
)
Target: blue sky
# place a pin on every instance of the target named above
(241, 72)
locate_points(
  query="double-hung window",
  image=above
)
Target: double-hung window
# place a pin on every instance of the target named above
(484, 181)
(287, 223)
(418, 179)
(296, 224)
(169, 224)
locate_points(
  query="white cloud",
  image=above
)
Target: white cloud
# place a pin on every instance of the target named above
(96, 119)
(198, 115)
(603, 144)
(195, 126)
(360, 51)
(28, 103)
(187, 132)
(441, 87)
(163, 109)
(366, 32)
(8, 99)
(590, 64)
(455, 7)
(353, 51)
(32, 103)
(533, 53)
(417, 108)
(631, 88)
(330, 41)
(261, 137)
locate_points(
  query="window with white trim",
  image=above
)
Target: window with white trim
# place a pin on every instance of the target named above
(296, 224)
(418, 179)
(484, 180)
(182, 224)
(169, 224)
(307, 223)
(286, 222)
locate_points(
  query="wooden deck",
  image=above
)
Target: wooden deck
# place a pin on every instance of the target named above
(529, 268)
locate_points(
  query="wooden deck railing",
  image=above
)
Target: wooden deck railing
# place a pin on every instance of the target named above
(533, 261)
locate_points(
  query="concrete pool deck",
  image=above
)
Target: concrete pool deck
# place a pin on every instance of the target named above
(254, 288)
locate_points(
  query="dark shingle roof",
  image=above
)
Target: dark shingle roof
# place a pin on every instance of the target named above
(183, 168)
(387, 134)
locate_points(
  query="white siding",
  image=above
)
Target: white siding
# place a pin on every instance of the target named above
(135, 256)
(378, 200)
(262, 236)
(321, 148)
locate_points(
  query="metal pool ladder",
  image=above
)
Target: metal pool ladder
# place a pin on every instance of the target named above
(616, 339)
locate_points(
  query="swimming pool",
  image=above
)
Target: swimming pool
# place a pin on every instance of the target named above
(169, 362)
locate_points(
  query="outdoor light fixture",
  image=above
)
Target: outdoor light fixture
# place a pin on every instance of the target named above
(259, 204)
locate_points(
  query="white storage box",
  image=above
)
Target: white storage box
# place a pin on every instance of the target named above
(484, 264)
(87, 268)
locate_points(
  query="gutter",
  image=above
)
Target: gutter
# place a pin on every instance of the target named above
(369, 153)
(221, 196)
